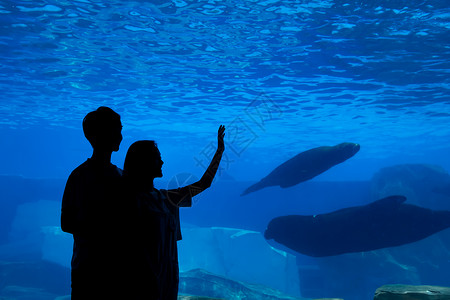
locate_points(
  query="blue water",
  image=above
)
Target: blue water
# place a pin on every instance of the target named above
(283, 76)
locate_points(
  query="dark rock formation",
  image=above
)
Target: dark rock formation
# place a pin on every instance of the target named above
(33, 280)
(412, 292)
(424, 185)
(185, 297)
(202, 283)
(238, 255)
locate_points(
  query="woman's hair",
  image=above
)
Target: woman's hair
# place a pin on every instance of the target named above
(139, 156)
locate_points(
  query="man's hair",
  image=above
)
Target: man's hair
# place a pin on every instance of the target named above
(99, 121)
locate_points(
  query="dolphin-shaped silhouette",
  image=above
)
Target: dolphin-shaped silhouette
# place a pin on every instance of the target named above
(305, 166)
(381, 224)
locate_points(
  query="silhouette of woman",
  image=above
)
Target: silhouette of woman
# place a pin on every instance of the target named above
(157, 218)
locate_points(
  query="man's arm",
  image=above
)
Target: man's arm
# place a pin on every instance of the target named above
(68, 207)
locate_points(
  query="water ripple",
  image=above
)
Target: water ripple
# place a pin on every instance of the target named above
(357, 64)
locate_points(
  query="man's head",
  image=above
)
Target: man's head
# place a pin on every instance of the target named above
(103, 129)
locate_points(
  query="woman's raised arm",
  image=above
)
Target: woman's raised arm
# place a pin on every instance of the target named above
(208, 177)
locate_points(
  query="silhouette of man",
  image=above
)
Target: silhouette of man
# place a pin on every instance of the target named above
(91, 208)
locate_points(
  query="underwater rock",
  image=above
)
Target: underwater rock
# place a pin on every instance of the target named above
(185, 297)
(239, 255)
(57, 245)
(35, 233)
(412, 292)
(37, 279)
(424, 185)
(201, 282)
(305, 166)
(32, 216)
(17, 190)
(25, 293)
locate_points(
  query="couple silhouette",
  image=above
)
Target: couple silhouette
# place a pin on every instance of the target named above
(125, 230)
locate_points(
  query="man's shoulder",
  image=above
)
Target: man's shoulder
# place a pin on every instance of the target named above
(80, 169)
(90, 170)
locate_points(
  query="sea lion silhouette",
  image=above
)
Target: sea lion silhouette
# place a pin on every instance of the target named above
(384, 223)
(305, 166)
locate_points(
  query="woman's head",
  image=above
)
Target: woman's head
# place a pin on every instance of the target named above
(143, 161)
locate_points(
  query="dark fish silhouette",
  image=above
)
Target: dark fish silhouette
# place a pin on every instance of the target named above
(305, 166)
(384, 223)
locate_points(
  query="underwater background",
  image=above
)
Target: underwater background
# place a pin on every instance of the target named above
(282, 76)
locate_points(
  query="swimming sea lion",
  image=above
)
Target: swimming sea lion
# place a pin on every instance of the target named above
(384, 223)
(305, 166)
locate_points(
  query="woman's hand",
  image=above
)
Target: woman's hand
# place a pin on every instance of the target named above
(208, 177)
(220, 136)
